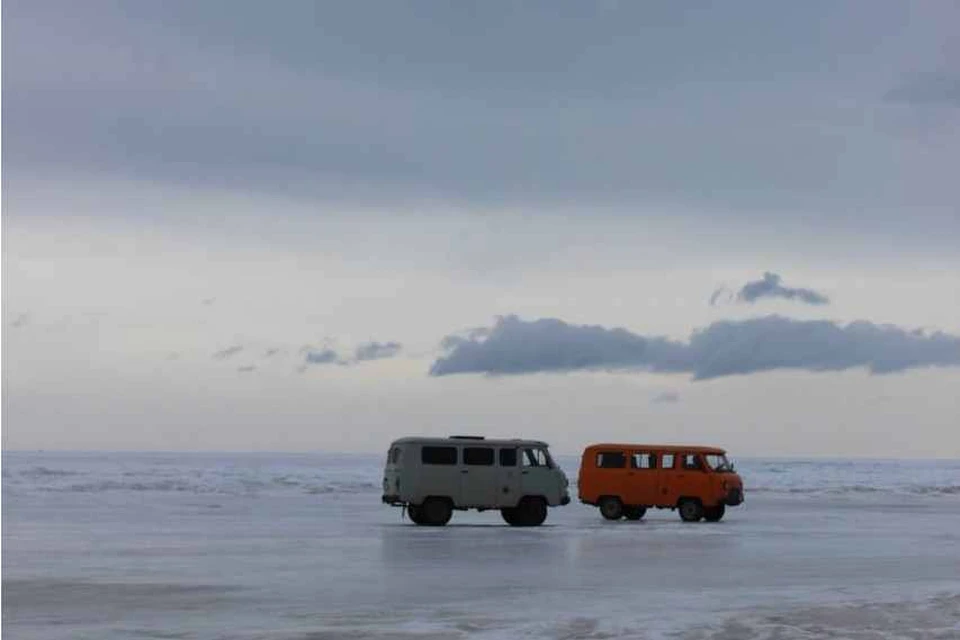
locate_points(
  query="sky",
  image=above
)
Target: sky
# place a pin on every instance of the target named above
(322, 226)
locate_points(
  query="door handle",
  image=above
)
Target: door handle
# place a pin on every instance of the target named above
(523, 473)
(464, 471)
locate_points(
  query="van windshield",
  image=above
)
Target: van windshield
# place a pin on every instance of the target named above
(719, 462)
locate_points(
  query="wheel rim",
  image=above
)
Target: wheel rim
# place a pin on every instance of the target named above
(611, 509)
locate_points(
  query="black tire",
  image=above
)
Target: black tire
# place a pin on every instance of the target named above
(531, 512)
(690, 510)
(415, 513)
(509, 515)
(634, 513)
(714, 514)
(611, 508)
(436, 512)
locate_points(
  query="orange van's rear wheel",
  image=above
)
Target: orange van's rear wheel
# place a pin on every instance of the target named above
(611, 508)
(690, 510)
(634, 513)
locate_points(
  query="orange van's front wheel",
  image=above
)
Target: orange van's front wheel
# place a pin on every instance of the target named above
(690, 510)
(611, 507)
(634, 513)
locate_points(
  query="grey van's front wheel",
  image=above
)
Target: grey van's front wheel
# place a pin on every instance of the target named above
(415, 513)
(531, 512)
(435, 512)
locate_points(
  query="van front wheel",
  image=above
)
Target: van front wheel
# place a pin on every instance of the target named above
(611, 508)
(690, 510)
(436, 512)
(415, 513)
(531, 512)
(713, 514)
(634, 513)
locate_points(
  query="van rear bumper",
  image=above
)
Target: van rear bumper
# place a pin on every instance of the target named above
(391, 499)
(565, 500)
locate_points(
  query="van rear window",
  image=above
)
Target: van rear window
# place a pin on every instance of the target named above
(480, 456)
(438, 455)
(611, 460)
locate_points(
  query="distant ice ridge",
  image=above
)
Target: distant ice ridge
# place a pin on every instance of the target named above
(326, 474)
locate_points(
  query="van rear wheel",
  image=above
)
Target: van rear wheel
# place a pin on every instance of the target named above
(611, 508)
(634, 513)
(713, 514)
(690, 510)
(436, 512)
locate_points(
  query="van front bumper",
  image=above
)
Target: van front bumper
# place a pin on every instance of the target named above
(734, 497)
(391, 499)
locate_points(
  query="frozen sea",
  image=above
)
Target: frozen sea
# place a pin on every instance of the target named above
(299, 547)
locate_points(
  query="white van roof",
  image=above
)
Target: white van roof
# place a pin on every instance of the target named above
(468, 440)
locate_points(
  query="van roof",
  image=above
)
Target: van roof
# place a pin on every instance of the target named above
(469, 440)
(672, 448)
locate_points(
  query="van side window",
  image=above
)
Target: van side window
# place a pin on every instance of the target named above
(438, 455)
(667, 460)
(643, 461)
(479, 456)
(534, 458)
(508, 457)
(611, 460)
(691, 461)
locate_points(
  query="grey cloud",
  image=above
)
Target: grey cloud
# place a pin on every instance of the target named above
(21, 320)
(769, 287)
(931, 88)
(223, 354)
(726, 348)
(272, 351)
(247, 368)
(377, 350)
(667, 397)
(611, 105)
(321, 356)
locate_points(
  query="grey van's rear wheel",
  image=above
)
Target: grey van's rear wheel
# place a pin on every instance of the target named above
(713, 514)
(634, 513)
(690, 510)
(531, 512)
(611, 508)
(436, 512)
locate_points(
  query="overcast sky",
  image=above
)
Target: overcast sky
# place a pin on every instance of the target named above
(244, 226)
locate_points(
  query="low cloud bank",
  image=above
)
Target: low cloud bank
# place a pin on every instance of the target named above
(514, 346)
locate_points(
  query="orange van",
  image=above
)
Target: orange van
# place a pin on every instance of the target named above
(624, 480)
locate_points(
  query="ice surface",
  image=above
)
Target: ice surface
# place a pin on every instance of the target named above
(299, 547)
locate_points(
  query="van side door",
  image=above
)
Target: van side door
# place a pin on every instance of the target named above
(439, 472)
(536, 476)
(666, 480)
(691, 477)
(479, 476)
(508, 478)
(610, 475)
(643, 483)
